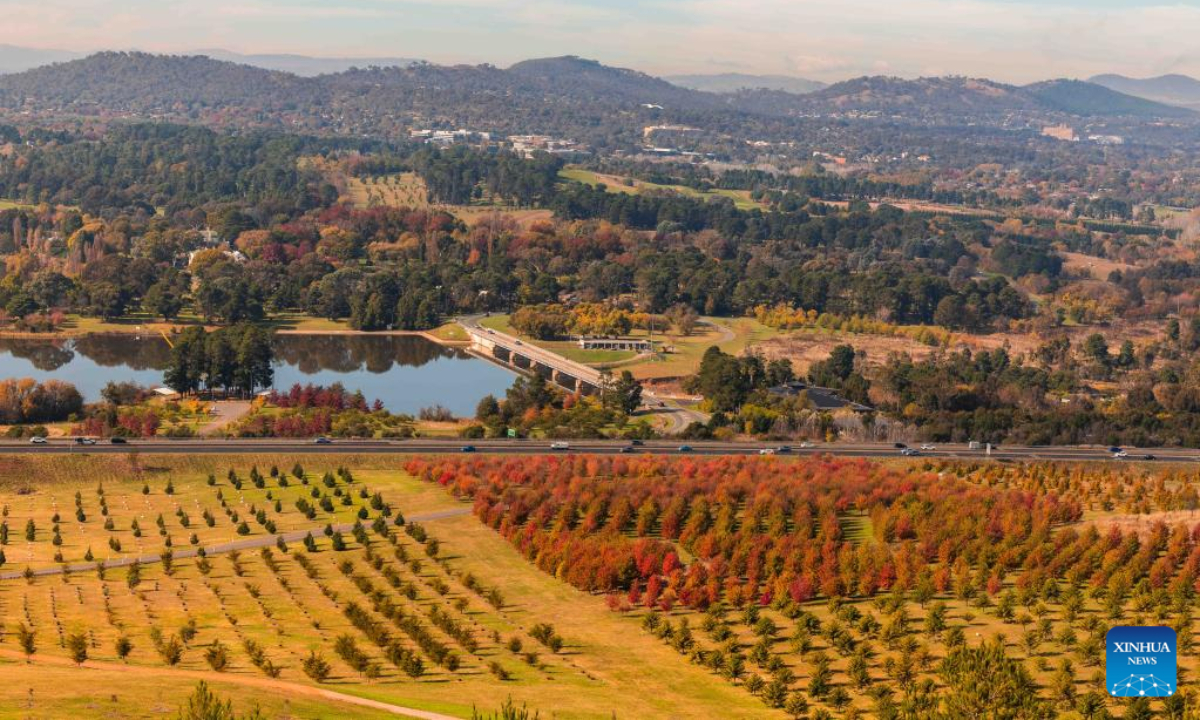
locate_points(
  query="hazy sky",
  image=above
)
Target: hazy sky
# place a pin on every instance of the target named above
(1013, 40)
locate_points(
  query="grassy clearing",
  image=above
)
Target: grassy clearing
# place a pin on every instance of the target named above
(140, 323)
(613, 183)
(566, 348)
(289, 604)
(408, 190)
(732, 335)
(451, 333)
(399, 190)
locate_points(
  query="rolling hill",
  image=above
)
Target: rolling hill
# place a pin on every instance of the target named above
(565, 96)
(1178, 90)
(1087, 99)
(304, 65)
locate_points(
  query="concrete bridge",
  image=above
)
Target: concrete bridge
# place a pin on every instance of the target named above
(526, 358)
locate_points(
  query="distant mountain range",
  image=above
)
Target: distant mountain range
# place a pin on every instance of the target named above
(972, 97)
(733, 82)
(568, 96)
(1178, 90)
(14, 59)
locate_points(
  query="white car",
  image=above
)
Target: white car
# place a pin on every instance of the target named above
(560, 445)
(806, 445)
(927, 446)
(1120, 455)
(37, 440)
(766, 451)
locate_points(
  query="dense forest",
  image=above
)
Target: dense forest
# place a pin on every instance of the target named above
(175, 221)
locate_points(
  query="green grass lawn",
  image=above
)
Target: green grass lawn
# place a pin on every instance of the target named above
(732, 335)
(566, 348)
(612, 183)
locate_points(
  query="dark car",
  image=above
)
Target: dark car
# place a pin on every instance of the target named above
(783, 449)
(625, 450)
(1114, 449)
(900, 446)
(638, 443)
(467, 448)
(84, 441)
(323, 441)
(685, 448)
(1149, 457)
(117, 440)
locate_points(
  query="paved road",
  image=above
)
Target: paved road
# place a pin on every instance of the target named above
(247, 544)
(536, 353)
(203, 446)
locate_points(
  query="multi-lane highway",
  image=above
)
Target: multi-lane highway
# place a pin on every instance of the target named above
(605, 447)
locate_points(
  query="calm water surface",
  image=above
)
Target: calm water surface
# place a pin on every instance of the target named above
(407, 373)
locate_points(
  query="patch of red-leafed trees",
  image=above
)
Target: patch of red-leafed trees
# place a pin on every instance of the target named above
(692, 530)
(332, 397)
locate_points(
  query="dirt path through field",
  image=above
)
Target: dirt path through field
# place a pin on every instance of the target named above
(247, 544)
(226, 413)
(281, 686)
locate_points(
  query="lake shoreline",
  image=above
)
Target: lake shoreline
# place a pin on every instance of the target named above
(169, 331)
(406, 370)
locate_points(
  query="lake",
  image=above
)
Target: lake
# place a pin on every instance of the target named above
(406, 372)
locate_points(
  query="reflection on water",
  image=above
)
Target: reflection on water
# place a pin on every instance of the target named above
(405, 372)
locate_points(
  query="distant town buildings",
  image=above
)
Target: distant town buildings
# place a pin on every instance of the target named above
(527, 145)
(1065, 133)
(461, 136)
(627, 344)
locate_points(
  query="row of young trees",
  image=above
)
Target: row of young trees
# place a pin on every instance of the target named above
(757, 529)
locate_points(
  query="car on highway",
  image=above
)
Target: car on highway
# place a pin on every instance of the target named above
(1114, 449)
(928, 446)
(899, 446)
(1120, 455)
(84, 441)
(1149, 457)
(685, 448)
(783, 449)
(766, 451)
(323, 441)
(37, 440)
(909, 452)
(560, 445)
(806, 445)
(626, 449)
(637, 443)
(467, 448)
(117, 441)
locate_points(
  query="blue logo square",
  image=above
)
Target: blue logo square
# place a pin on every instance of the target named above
(1140, 661)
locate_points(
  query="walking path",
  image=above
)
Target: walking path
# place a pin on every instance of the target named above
(283, 687)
